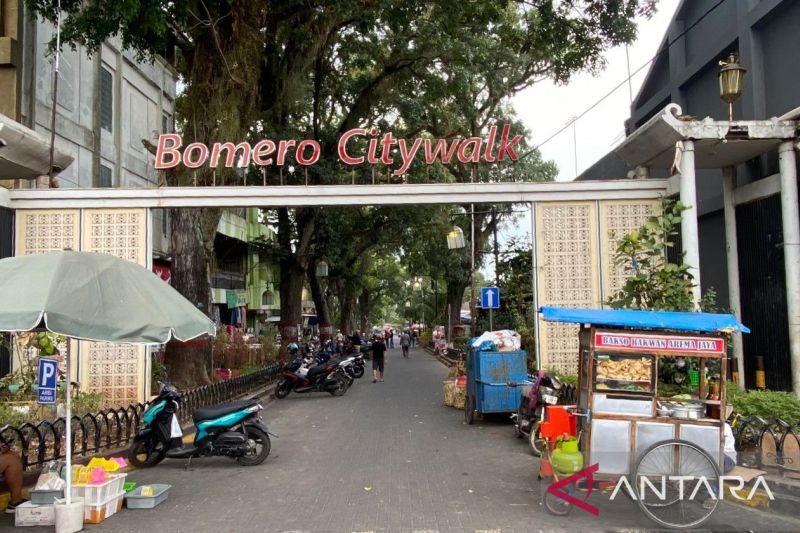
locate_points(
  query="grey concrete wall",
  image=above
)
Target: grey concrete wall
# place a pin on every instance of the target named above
(143, 93)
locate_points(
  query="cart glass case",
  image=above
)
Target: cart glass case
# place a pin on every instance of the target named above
(623, 373)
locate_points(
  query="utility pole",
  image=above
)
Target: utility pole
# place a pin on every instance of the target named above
(496, 262)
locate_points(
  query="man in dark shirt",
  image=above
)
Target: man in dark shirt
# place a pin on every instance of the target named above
(378, 359)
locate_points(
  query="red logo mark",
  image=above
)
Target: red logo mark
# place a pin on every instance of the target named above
(555, 489)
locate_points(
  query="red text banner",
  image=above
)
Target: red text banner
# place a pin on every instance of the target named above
(383, 149)
(657, 343)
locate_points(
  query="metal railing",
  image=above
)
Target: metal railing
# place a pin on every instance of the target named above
(114, 428)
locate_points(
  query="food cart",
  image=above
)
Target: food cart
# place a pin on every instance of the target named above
(651, 395)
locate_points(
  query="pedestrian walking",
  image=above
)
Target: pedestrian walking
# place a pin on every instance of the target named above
(378, 359)
(405, 343)
(391, 338)
(356, 339)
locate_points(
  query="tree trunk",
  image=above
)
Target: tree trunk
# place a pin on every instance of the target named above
(348, 300)
(364, 309)
(321, 305)
(189, 364)
(293, 263)
(455, 297)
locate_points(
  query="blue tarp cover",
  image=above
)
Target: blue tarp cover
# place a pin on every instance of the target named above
(631, 318)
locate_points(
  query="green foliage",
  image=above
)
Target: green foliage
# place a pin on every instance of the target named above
(249, 369)
(765, 403)
(460, 343)
(653, 282)
(567, 379)
(158, 371)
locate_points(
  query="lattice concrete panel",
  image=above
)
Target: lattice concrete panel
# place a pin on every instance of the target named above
(120, 232)
(567, 256)
(115, 370)
(41, 231)
(617, 219)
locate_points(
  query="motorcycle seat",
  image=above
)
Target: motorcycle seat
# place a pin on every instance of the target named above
(216, 411)
(317, 369)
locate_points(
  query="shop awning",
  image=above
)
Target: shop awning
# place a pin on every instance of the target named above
(631, 318)
(25, 154)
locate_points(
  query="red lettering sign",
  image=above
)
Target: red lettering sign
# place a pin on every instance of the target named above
(355, 146)
(657, 343)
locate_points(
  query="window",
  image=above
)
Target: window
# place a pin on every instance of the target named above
(166, 123)
(106, 179)
(164, 219)
(106, 99)
(266, 298)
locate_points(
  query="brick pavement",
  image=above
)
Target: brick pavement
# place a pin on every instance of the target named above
(385, 457)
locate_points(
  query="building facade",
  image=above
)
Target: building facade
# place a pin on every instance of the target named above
(685, 72)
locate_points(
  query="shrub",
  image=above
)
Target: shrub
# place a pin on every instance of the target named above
(765, 403)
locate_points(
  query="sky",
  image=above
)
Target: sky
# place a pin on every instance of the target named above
(545, 108)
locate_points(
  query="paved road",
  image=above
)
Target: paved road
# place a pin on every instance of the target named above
(385, 457)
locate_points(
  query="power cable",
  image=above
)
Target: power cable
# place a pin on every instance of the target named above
(623, 82)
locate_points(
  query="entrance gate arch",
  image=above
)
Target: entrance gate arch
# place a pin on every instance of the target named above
(575, 227)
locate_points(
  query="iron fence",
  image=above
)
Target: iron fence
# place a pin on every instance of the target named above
(114, 428)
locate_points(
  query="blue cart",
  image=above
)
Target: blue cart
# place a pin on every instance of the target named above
(492, 381)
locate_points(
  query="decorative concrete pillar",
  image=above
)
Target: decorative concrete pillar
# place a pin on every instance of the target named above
(791, 253)
(732, 260)
(689, 239)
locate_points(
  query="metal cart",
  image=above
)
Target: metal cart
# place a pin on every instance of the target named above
(492, 381)
(651, 400)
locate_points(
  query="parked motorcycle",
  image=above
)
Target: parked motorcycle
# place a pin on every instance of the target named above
(355, 366)
(530, 413)
(327, 377)
(232, 429)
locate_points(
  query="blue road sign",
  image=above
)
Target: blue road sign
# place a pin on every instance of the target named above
(490, 298)
(48, 378)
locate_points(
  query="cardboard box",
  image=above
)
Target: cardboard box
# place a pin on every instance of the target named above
(29, 514)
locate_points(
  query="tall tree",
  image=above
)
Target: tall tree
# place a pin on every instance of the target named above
(319, 68)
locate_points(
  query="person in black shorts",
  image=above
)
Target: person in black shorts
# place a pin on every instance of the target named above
(378, 359)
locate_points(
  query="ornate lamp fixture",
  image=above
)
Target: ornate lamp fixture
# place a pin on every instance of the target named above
(731, 80)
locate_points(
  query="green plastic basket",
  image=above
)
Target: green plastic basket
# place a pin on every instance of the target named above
(694, 378)
(129, 486)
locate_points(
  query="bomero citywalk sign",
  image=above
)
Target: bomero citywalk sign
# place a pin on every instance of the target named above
(384, 149)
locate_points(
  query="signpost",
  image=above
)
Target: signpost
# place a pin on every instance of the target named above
(490, 299)
(48, 377)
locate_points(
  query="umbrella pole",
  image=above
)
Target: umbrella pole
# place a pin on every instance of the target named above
(68, 425)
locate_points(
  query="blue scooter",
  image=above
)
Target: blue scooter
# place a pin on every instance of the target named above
(232, 429)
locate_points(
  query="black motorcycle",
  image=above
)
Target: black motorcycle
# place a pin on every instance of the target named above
(326, 377)
(232, 429)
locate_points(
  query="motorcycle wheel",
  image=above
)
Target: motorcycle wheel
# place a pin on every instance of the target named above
(341, 388)
(536, 440)
(146, 453)
(263, 446)
(358, 372)
(521, 411)
(283, 389)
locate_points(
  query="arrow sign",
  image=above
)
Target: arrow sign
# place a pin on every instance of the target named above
(48, 376)
(490, 298)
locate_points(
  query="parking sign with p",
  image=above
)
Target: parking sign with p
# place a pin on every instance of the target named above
(48, 380)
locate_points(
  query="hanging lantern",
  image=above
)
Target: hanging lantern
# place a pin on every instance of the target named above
(731, 80)
(455, 238)
(322, 269)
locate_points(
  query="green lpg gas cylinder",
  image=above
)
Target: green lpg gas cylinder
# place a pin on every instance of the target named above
(566, 459)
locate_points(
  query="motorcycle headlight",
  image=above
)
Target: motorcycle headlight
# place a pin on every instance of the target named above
(549, 399)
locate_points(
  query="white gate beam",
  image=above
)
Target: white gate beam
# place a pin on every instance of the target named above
(336, 195)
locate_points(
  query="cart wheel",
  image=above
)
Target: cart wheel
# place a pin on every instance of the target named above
(554, 504)
(662, 464)
(469, 410)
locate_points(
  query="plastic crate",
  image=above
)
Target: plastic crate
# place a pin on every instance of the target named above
(45, 497)
(96, 513)
(97, 494)
(135, 500)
